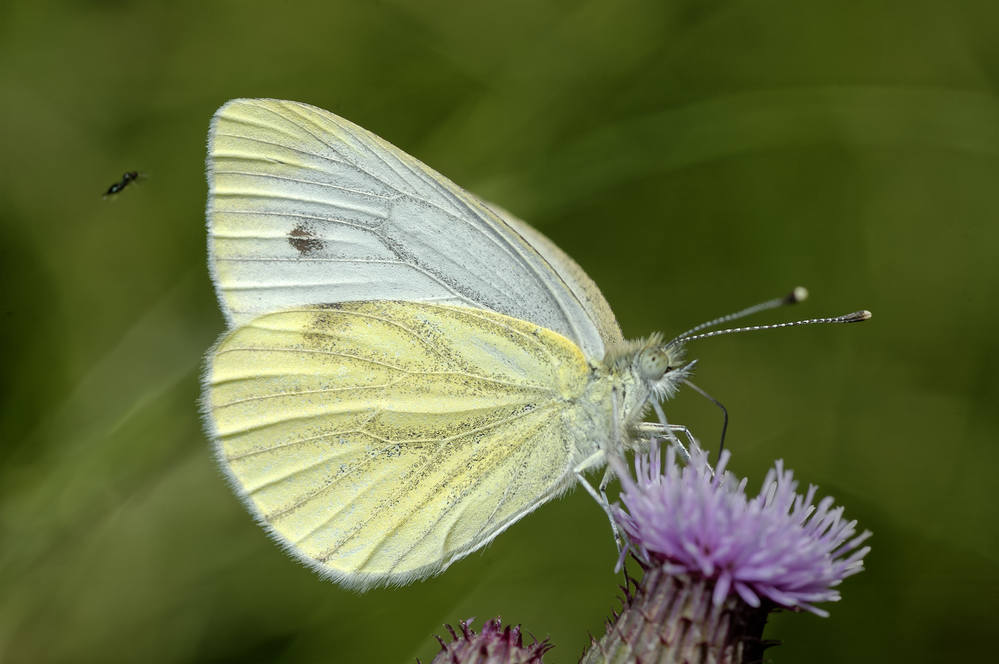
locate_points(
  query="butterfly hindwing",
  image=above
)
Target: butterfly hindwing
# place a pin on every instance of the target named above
(380, 441)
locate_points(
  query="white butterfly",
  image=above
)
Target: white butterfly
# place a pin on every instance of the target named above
(409, 369)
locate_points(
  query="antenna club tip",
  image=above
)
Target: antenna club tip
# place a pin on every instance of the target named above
(799, 294)
(858, 316)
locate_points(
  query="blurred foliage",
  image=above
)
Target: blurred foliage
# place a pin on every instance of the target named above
(694, 156)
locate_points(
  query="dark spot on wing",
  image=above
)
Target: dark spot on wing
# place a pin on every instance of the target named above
(304, 241)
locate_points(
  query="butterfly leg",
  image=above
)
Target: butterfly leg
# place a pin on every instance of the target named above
(599, 496)
(671, 430)
(655, 430)
(615, 457)
(652, 431)
(616, 464)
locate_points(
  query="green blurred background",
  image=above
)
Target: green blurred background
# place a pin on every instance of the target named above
(695, 156)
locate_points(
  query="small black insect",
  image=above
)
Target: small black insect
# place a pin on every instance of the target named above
(127, 177)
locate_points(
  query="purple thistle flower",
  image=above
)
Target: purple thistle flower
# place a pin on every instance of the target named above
(494, 644)
(779, 545)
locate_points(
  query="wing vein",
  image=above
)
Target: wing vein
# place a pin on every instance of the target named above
(317, 183)
(236, 193)
(360, 467)
(294, 215)
(328, 390)
(431, 494)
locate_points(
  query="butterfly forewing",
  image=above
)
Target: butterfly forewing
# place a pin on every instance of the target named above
(380, 441)
(306, 207)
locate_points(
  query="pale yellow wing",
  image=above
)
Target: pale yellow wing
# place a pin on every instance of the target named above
(380, 441)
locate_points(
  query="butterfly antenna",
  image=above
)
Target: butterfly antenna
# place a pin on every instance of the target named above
(855, 317)
(724, 410)
(794, 297)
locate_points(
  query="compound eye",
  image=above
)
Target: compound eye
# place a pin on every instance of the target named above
(653, 363)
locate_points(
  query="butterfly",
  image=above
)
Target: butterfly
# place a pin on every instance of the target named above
(408, 369)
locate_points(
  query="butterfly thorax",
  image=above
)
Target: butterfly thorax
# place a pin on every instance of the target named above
(632, 375)
(617, 395)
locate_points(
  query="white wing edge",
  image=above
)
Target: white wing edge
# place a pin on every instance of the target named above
(209, 213)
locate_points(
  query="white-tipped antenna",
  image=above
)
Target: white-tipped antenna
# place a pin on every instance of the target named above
(794, 297)
(855, 317)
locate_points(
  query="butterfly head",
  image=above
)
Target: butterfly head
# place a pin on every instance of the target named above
(662, 368)
(659, 366)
